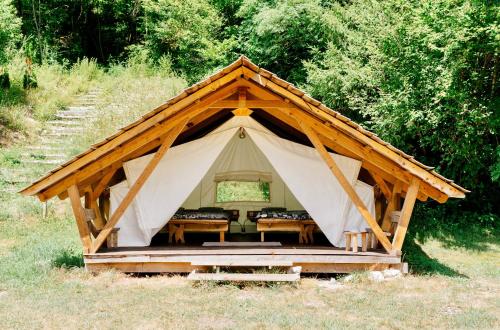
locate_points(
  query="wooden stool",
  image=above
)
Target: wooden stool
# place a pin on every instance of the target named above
(112, 239)
(372, 239)
(351, 240)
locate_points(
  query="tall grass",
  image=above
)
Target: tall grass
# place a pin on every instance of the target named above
(23, 111)
(128, 92)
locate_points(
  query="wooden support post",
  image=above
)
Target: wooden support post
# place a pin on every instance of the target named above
(348, 188)
(81, 221)
(113, 220)
(406, 212)
(393, 205)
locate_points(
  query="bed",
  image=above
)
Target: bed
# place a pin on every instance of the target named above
(202, 220)
(283, 220)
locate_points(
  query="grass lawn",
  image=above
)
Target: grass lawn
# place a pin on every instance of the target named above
(41, 286)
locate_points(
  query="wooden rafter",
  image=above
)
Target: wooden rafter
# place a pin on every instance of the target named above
(326, 117)
(345, 142)
(113, 220)
(352, 150)
(140, 152)
(103, 183)
(160, 114)
(381, 184)
(372, 222)
(134, 144)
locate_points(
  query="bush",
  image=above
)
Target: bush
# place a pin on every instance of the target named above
(422, 76)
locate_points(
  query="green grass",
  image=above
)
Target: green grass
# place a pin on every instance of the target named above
(42, 285)
(23, 111)
(454, 283)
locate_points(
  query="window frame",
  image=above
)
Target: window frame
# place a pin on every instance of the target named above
(243, 201)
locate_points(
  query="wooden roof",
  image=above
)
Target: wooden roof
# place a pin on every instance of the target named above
(206, 98)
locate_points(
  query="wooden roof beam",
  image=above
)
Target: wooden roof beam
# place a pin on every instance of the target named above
(139, 182)
(412, 168)
(160, 114)
(121, 151)
(346, 144)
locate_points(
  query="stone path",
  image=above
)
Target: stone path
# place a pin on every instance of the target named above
(52, 146)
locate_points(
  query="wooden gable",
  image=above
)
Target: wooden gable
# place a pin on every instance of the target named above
(266, 95)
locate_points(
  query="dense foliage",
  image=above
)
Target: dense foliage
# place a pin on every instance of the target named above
(421, 74)
(10, 31)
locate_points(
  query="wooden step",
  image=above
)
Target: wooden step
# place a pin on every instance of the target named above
(241, 244)
(243, 277)
(243, 263)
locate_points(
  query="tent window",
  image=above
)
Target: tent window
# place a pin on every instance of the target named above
(243, 191)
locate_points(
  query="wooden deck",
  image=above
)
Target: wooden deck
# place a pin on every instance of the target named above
(186, 259)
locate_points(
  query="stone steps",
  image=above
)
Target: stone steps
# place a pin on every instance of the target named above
(50, 150)
(65, 130)
(64, 123)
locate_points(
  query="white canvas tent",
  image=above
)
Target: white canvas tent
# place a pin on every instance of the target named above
(240, 148)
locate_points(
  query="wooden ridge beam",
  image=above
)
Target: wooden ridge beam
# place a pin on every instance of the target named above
(348, 188)
(136, 187)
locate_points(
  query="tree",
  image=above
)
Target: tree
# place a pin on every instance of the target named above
(10, 30)
(422, 75)
(186, 32)
(280, 35)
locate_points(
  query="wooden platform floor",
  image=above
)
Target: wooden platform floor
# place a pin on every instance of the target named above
(181, 259)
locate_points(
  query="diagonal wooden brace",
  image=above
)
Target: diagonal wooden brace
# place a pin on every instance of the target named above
(136, 187)
(315, 140)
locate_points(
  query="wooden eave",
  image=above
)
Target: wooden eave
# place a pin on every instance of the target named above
(220, 87)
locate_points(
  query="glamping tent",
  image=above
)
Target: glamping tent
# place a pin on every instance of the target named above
(318, 173)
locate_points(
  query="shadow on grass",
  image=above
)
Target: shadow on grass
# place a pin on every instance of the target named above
(421, 263)
(12, 96)
(68, 259)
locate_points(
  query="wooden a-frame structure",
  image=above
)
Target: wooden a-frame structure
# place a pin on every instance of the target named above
(251, 91)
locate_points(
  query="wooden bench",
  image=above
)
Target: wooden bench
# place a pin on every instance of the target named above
(177, 228)
(305, 228)
(368, 239)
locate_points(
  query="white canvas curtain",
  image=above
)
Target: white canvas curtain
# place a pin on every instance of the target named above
(311, 181)
(173, 179)
(183, 167)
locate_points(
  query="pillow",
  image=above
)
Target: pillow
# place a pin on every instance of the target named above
(273, 209)
(211, 209)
